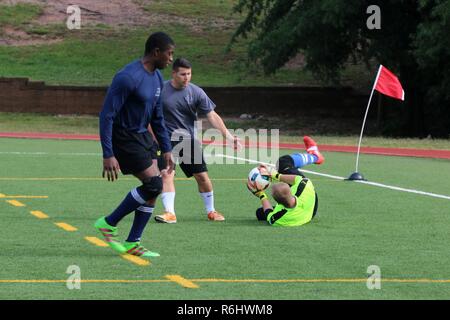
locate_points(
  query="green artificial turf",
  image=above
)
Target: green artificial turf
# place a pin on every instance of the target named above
(357, 226)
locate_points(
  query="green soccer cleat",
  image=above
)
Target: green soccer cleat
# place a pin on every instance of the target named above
(135, 249)
(109, 235)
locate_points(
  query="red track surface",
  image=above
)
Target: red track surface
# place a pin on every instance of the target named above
(404, 152)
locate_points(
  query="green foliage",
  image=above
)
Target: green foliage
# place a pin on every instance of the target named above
(192, 8)
(91, 56)
(432, 53)
(18, 14)
(413, 42)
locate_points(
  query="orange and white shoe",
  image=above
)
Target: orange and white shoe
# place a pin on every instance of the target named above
(215, 216)
(311, 148)
(166, 217)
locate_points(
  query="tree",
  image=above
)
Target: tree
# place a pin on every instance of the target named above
(413, 41)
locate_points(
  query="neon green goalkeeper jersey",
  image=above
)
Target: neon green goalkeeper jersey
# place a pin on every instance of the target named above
(302, 213)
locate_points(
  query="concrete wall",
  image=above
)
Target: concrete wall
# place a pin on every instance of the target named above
(22, 95)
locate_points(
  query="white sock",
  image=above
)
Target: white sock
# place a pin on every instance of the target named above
(208, 200)
(168, 200)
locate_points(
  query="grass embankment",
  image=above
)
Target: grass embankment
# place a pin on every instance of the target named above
(93, 54)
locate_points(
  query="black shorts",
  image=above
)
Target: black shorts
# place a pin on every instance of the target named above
(134, 151)
(285, 165)
(189, 155)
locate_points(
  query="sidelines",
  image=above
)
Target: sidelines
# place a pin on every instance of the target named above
(404, 152)
(376, 184)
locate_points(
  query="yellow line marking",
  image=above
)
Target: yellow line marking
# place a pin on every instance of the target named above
(136, 260)
(39, 214)
(25, 197)
(182, 281)
(174, 278)
(66, 226)
(321, 280)
(96, 241)
(86, 281)
(15, 203)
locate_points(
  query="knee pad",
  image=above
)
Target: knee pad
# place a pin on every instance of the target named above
(151, 188)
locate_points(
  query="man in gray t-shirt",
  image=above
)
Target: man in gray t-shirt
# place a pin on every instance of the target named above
(183, 102)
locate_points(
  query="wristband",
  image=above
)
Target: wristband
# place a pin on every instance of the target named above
(263, 196)
(276, 176)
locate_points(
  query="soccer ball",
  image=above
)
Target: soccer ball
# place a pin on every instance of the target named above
(257, 180)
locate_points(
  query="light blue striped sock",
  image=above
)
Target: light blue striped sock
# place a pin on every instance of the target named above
(303, 159)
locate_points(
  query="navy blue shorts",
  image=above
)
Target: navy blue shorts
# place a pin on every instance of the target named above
(134, 151)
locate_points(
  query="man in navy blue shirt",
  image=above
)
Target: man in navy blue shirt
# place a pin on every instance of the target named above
(132, 104)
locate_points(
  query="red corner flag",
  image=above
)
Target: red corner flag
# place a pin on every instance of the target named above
(388, 84)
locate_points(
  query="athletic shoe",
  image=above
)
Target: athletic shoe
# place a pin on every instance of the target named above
(135, 249)
(109, 234)
(311, 148)
(215, 216)
(166, 217)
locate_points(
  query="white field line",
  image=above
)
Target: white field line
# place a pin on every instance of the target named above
(376, 184)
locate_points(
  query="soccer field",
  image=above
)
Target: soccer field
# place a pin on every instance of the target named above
(51, 193)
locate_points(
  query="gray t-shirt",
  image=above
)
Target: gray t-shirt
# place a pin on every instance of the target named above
(182, 108)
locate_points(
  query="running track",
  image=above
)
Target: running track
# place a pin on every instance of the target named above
(404, 152)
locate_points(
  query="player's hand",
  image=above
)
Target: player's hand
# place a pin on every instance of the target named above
(257, 192)
(111, 168)
(168, 158)
(237, 144)
(269, 171)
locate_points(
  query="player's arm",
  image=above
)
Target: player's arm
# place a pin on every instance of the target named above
(266, 204)
(261, 194)
(161, 134)
(116, 96)
(290, 179)
(216, 121)
(152, 133)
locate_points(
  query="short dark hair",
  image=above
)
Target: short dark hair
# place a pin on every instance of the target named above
(181, 63)
(159, 40)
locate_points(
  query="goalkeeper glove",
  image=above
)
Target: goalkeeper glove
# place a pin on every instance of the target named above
(270, 171)
(259, 193)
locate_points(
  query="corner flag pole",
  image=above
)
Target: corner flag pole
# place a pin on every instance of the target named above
(356, 175)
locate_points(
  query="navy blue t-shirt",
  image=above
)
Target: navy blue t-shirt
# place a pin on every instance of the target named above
(132, 103)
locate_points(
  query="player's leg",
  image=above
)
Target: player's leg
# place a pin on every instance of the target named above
(197, 168)
(289, 164)
(168, 199)
(167, 195)
(312, 149)
(108, 225)
(150, 189)
(205, 189)
(133, 157)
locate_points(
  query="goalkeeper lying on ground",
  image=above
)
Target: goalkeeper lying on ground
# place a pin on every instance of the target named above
(296, 198)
